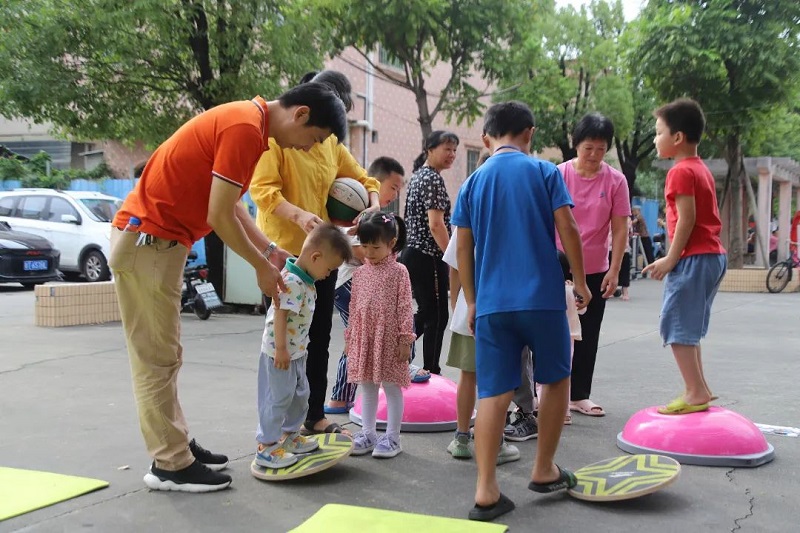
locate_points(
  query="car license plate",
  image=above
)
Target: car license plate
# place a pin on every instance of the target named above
(34, 265)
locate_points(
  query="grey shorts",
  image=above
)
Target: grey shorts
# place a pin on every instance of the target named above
(689, 291)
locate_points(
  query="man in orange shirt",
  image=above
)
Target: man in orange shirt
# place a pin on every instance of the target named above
(192, 185)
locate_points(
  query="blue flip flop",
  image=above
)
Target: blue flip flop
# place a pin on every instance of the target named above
(343, 410)
(413, 371)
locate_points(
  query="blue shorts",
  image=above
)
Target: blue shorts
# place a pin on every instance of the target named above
(689, 291)
(499, 339)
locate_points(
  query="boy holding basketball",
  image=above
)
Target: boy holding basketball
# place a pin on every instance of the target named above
(282, 383)
(696, 262)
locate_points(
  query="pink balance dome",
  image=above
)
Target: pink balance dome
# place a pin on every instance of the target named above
(428, 406)
(717, 437)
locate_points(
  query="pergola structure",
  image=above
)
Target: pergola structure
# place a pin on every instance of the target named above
(782, 172)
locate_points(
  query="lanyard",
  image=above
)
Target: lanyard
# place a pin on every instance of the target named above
(506, 146)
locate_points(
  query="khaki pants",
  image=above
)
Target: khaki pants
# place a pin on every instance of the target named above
(148, 280)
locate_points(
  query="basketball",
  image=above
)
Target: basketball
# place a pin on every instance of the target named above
(346, 199)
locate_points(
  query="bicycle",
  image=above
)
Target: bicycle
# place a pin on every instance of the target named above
(780, 274)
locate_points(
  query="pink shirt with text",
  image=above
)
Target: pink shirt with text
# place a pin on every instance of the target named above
(596, 200)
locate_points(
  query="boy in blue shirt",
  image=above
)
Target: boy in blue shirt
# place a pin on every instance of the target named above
(507, 213)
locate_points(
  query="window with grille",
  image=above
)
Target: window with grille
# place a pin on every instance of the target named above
(473, 156)
(385, 57)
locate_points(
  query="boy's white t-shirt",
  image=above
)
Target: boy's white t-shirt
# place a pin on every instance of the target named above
(458, 323)
(299, 300)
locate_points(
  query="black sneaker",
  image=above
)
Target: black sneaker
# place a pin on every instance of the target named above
(214, 461)
(194, 478)
(522, 429)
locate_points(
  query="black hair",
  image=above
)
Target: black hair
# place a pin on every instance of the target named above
(337, 81)
(593, 126)
(382, 227)
(307, 77)
(335, 239)
(383, 166)
(326, 108)
(507, 118)
(684, 115)
(562, 259)
(434, 139)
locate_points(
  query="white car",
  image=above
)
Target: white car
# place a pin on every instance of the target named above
(78, 223)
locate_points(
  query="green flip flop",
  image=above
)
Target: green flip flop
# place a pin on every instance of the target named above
(679, 406)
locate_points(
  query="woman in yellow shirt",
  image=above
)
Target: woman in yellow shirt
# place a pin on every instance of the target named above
(290, 188)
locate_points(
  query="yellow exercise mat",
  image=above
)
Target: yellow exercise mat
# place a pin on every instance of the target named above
(23, 491)
(335, 518)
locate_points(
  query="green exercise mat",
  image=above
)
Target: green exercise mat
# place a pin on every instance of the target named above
(23, 491)
(335, 518)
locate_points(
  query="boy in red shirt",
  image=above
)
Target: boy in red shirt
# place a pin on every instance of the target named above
(696, 262)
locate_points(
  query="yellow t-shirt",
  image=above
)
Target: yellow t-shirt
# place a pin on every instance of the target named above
(303, 179)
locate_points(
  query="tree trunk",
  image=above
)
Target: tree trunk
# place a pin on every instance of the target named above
(733, 156)
(629, 167)
(567, 152)
(425, 119)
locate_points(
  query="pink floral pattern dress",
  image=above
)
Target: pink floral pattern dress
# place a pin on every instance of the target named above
(381, 318)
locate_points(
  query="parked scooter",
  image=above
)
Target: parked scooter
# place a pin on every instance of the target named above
(198, 294)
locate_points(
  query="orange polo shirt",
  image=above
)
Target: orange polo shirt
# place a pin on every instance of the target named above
(171, 197)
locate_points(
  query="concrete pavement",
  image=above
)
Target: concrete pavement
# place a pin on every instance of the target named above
(66, 406)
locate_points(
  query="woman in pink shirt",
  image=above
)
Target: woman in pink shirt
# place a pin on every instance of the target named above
(602, 204)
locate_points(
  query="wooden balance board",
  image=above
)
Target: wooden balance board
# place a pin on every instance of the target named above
(624, 478)
(333, 447)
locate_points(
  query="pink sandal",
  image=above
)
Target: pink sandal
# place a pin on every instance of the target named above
(587, 407)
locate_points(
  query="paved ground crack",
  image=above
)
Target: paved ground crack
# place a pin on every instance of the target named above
(85, 507)
(65, 358)
(751, 502)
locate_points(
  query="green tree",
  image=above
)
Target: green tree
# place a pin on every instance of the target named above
(568, 66)
(115, 69)
(469, 36)
(739, 59)
(778, 135)
(635, 145)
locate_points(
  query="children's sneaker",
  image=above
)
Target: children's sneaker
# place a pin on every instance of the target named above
(508, 453)
(363, 443)
(523, 428)
(214, 461)
(386, 448)
(275, 456)
(296, 443)
(459, 447)
(196, 477)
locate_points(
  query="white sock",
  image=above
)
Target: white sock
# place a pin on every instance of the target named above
(369, 407)
(394, 408)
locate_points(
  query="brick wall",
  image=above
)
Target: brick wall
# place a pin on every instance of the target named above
(124, 160)
(395, 120)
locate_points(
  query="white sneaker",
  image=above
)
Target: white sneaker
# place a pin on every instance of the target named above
(387, 448)
(275, 456)
(363, 443)
(508, 453)
(297, 443)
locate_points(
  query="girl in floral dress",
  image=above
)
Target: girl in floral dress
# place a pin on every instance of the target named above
(381, 330)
